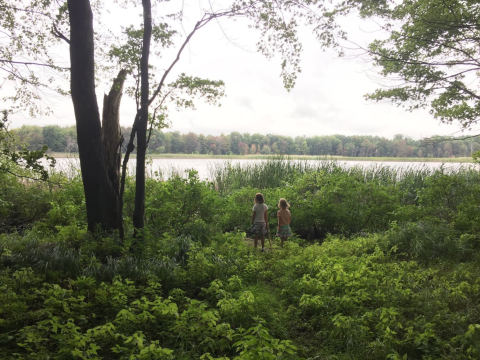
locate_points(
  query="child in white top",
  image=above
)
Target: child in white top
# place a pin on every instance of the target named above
(259, 220)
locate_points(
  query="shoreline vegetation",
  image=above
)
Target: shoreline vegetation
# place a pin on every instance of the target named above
(383, 257)
(63, 139)
(386, 258)
(59, 155)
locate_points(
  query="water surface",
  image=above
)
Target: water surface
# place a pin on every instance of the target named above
(163, 168)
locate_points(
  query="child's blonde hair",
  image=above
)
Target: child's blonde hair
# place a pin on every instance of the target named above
(259, 198)
(283, 204)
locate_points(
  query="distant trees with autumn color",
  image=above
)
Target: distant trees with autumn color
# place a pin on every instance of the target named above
(62, 139)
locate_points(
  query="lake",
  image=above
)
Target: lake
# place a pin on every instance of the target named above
(165, 167)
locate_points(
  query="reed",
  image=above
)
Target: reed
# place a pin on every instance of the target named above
(269, 173)
(276, 171)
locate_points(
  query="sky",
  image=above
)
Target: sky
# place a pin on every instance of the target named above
(328, 97)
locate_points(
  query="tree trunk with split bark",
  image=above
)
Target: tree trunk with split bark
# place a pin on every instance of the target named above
(111, 133)
(101, 196)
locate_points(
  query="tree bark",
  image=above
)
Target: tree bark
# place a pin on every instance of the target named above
(100, 197)
(130, 148)
(111, 133)
(139, 210)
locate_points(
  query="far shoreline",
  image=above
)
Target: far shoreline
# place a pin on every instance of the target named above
(292, 157)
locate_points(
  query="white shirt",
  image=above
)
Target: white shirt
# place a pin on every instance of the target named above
(260, 210)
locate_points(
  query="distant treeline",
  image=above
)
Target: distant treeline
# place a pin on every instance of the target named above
(63, 139)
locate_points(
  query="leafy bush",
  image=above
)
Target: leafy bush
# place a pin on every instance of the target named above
(429, 241)
(352, 299)
(22, 204)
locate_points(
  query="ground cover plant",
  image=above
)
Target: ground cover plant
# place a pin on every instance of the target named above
(383, 265)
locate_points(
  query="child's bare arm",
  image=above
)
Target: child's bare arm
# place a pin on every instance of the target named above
(266, 219)
(253, 216)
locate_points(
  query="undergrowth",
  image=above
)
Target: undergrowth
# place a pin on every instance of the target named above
(383, 265)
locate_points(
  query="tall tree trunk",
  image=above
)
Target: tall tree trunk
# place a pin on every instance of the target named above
(111, 133)
(139, 210)
(130, 148)
(100, 197)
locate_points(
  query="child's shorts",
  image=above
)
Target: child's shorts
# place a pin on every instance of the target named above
(259, 228)
(284, 231)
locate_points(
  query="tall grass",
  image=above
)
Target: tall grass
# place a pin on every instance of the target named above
(270, 173)
(276, 171)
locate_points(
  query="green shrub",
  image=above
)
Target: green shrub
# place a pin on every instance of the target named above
(429, 241)
(22, 204)
(350, 299)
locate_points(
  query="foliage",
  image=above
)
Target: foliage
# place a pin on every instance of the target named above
(338, 199)
(140, 321)
(63, 140)
(11, 159)
(180, 93)
(28, 65)
(359, 300)
(405, 285)
(430, 51)
(22, 203)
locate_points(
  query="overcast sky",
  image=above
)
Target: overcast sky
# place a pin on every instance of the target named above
(328, 97)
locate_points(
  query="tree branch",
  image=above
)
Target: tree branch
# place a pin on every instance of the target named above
(201, 23)
(58, 34)
(155, 113)
(32, 63)
(465, 90)
(29, 177)
(26, 11)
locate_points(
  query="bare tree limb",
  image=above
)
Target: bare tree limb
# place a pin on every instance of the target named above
(32, 63)
(58, 34)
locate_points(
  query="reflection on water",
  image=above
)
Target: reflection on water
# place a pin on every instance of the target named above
(164, 168)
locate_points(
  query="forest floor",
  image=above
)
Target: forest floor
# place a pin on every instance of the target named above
(269, 243)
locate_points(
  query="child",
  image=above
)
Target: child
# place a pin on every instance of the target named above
(259, 220)
(284, 218)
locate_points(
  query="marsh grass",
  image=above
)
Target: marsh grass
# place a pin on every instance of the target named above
(277, 171)
(270, 173)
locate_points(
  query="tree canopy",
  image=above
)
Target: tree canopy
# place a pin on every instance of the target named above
(430, 55)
